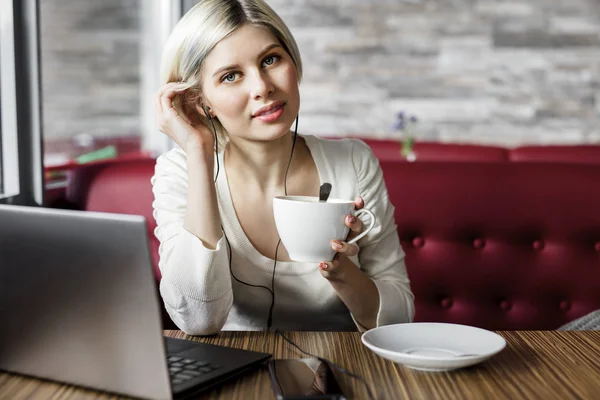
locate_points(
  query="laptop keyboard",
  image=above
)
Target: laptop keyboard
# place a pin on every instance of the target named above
(185, 369)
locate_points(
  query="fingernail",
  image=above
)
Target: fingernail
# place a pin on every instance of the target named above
(323, 265)
(351, 219)
(337, 244)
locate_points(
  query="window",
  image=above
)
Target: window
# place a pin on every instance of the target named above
(22, 172)
(96, 64)
(90, 68)
(9, 161)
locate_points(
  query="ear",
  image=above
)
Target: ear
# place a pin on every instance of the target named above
(203, 109)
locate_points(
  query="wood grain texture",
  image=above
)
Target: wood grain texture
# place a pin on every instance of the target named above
(534, 365)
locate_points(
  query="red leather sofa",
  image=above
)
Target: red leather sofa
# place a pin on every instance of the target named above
(499, 245)
(121, 187)
(500, 239)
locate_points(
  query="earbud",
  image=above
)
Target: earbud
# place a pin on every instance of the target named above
(206, 109)
(207, 113)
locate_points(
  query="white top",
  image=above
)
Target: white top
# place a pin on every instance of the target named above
(199, 292)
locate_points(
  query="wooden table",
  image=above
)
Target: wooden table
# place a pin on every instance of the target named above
(534, 365)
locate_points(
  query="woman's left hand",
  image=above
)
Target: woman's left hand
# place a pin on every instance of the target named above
(334, 270)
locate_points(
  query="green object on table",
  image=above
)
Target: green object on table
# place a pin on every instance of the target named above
(97, 155)
(407, 146)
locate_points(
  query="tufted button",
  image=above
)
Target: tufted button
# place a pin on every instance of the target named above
(446, 303)
(565, 305)
(505, 305)
(479, 243)
(597, 247)
(538, 245)
(418, 242)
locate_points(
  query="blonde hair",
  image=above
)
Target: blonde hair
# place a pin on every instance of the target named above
(199, 31)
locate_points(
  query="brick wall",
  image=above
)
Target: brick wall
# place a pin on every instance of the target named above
(502, 72)
(505, 72)
(90, 63)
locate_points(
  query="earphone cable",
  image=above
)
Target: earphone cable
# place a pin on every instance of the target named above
(224, 234)
(270, 319)
(272, 289)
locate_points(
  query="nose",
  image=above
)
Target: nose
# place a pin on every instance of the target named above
(262, 86)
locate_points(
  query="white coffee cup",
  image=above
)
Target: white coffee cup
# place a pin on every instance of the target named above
(307, 226)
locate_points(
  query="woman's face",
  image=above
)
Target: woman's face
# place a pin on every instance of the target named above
(250, 84)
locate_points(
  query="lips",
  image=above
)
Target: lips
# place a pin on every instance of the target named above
(268, 109)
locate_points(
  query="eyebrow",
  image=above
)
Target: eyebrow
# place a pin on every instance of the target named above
(236, 66)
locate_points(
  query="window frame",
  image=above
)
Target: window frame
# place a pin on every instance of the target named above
(8, 104)
(22, 145)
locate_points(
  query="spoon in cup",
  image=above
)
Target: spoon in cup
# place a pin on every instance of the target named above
(324, 192)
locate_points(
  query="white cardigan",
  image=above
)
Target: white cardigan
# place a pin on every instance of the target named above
(199, 292)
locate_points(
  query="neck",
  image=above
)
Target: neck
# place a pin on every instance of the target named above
(261, 165)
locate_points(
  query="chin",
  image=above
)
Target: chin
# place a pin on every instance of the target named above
(274, 131)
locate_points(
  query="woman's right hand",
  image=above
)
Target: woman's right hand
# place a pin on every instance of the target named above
(192, 136)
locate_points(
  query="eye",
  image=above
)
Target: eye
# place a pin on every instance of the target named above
(230, 77)
(270, 60)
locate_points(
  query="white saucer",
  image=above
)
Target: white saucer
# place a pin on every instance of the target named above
(430, 346)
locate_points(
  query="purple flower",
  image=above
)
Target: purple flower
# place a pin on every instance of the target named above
(402, 120)
(399, 125)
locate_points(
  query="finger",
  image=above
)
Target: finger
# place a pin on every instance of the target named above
(329, 268)
(166, 100)
(358, 203)
(160, 92)
(157, 102)
(158, 111)
(354, 223)
(344, 248)
(168, 91)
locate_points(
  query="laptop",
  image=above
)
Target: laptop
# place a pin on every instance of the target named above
(79, 305)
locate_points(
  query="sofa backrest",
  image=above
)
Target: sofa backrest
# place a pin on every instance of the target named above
(121, 187)
(499, 245)
(492, 244)
(578, 154)
(389, 150)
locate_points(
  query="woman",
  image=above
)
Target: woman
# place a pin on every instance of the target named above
(231, 71)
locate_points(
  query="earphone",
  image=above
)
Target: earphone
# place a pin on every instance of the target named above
(205, 109)
(272, 289)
